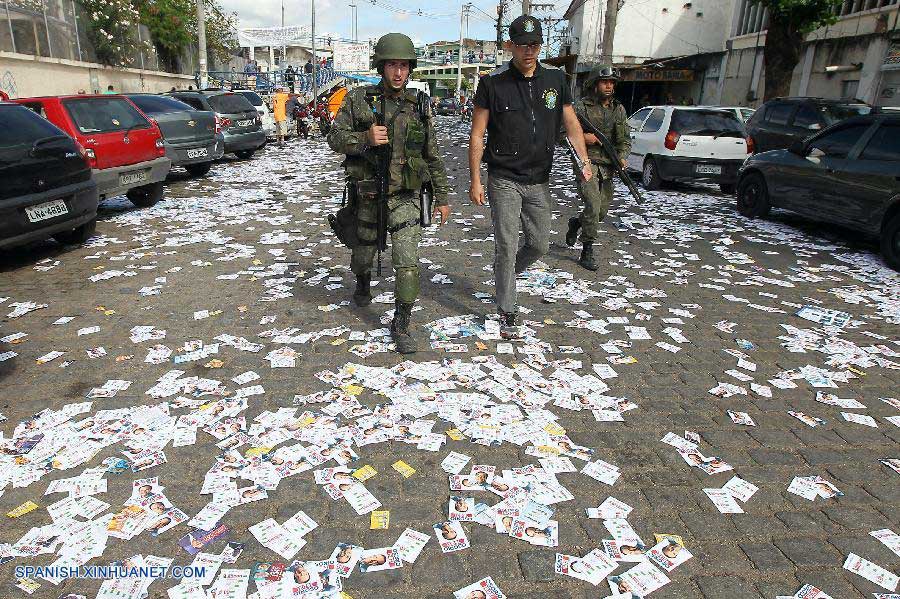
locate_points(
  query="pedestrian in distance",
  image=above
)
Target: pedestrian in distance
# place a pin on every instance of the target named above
(522, 105)
(600, 106)
(279, 113)
(388, 135)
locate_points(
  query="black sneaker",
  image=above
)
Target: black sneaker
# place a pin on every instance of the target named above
(572, 233)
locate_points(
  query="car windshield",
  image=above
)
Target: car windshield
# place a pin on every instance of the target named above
(706, 122)
(836, 113)
(253, 98)
(158, 104)
(230, 103)
(102, 115)
(19, 126)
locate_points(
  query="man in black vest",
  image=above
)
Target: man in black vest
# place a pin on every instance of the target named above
(522, 106)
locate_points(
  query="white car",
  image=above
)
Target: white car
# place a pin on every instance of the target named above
(742, 112)
(684, 143)
(268, 122)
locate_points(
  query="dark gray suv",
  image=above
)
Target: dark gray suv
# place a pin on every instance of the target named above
(236, 118)
(780, 122)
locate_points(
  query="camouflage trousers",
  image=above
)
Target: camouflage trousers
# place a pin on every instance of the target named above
(596, 195)
(402, 209)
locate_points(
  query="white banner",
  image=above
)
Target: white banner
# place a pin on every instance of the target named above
(351, 58)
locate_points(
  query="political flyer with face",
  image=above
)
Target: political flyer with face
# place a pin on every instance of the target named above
(451, 536)
(485, 588)
(461, 508)
(668, 554)
(530, 531)
(345, 557)
(375, 560)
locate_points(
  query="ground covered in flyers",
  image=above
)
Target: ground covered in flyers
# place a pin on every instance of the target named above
(714, 413)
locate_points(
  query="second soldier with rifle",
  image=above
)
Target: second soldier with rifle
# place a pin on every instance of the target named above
(600, 107)
(387, 133)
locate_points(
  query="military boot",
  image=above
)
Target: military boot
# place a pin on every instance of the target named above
(403, 339)
(363, 294)
(572, 233)
(587, 257)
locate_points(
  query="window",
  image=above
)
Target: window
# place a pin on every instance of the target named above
(746, 113)
(654, 121)
(230, 104)
(253, 97)
(778, 114)
(21, 126)
(635, 120)
(705, 122)
(195, 103)
(158, 104)
(839, 112)
(884, 145)
(838, 143)
(102, 115)
(807, 117)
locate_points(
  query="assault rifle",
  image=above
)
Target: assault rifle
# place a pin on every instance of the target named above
(382, 180)
(610, 151)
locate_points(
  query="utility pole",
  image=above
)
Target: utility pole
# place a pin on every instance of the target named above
(501, 8)
(463, 13)
(609, 31)
(352, 21)
(315, 75)
(283, 43)
(526, 7)
(201, 43)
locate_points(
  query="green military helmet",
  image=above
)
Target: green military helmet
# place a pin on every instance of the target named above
(394, 46)
(604, 71)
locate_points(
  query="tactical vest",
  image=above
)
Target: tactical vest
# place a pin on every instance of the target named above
(406, 120)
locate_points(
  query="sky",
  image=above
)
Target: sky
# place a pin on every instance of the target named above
(441, 21)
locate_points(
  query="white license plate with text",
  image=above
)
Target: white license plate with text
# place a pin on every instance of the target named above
(709, 169)
(46, 210)
(197, 152)
(132, 177)
(246, 123)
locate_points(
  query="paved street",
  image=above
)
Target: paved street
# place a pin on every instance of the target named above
(238, 272)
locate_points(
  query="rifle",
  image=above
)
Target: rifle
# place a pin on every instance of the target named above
(610, 150)
(382, 179)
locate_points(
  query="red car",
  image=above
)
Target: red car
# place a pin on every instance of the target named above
(124, 147)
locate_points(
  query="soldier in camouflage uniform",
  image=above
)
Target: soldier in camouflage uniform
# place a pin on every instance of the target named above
(414, 160)
(600, 106)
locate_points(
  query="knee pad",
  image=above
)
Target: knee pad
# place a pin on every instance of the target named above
(406, 288)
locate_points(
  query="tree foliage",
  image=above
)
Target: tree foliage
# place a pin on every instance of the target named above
(112, 30)
(789, 22)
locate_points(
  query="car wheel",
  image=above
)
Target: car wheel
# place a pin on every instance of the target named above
(146, 195)
(244, 154)
(753, 196)
(727, 188)
(650, 176)
(198, 170)
(78, 235)
(890, 242)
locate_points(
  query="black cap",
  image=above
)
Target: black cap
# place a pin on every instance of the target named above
(525, 30)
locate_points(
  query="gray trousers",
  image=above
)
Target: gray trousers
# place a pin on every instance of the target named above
(514, 205)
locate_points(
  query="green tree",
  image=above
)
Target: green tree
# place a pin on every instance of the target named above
(789, 22)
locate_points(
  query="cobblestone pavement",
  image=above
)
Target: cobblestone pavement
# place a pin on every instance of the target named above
(250, 246)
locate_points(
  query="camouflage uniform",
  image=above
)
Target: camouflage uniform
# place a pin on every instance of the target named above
(597, 193)
(415, 159)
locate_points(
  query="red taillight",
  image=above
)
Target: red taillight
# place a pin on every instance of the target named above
(226, 122)
(672, 138)
(751, 145)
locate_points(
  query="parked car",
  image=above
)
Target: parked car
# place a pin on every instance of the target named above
(848, 174)
(780, 122)
(124, 148)
(687, 143)
(268, 120)
(236, 118)
(446, 106)
(189, 135)
(47, 187)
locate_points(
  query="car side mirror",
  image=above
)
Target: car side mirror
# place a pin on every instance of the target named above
(814, 127)
(798, 148)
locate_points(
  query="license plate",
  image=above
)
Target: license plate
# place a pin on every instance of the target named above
(132, 177)
(46, 210)
(246, 123)
(197, 152)
(709, 169)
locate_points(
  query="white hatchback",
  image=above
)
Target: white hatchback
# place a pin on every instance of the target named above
(268, 121)
(683, 143)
